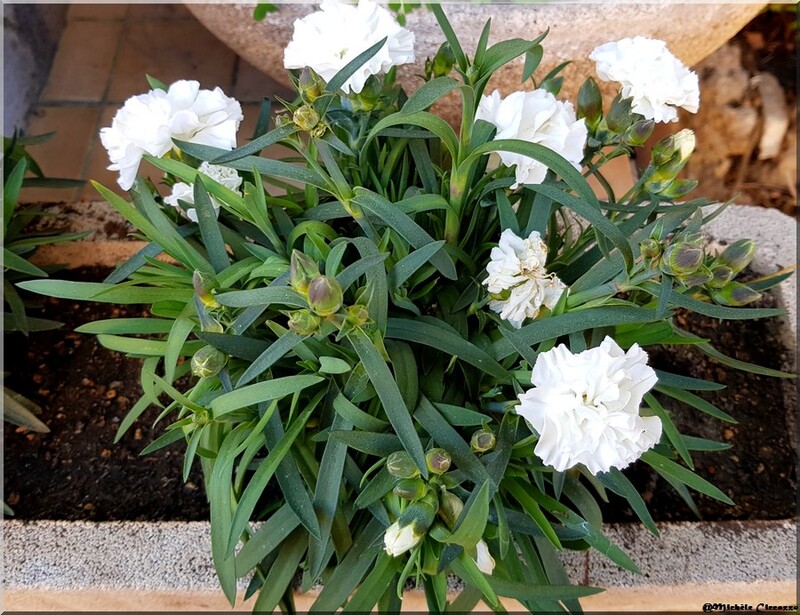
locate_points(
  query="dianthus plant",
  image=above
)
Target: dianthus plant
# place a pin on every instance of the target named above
(404, 351)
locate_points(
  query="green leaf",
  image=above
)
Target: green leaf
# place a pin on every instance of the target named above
(734, 363)
(349, 69)
(406, 227)
(436, 334)
(270, 356)
(533, 58)
(460, 417)
(528, 591)
(472, 521)
(466, 568)
(449, 35)
(333, 365)
(710, 309)
(127, 326)
(390, 396)
(685, 382)
(281, 295)
(617, 482)
(377, 444)
(209, 228)
(255, 146)
(428, 93)
(11, 189)
(410, 264)
(668, 468)
(19, 410)
(258, 482)
(262, 392)
(373, 586)
(105, 293)
(17, 263)
(281, 574)
(672, 433)
(423, 119)
(239, 346)
(378, 487)
(695, 402)
(523, 495)
(268, 537)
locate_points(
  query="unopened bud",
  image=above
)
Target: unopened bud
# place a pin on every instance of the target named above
(482, 441)
(369, 96)
(590, 102)
(681, 259)
(204, 284)
(697, 278)
(305, 117)
(201, 417)
(421, 513)
(734, 294)
(640, 132)
(619, 116)
(304, 322)
(650, 248)
(678, 188)
(438, 460)
(208, 361)
(450, 507)
(357, 315)
(738, 255)
(443, 61)
(400, 465)
(411, 488)
(301, 271)
(311, 86)
(679, 146)
(324, 295)
(721, 276)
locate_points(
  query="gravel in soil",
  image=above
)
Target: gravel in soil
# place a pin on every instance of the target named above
(77, 472)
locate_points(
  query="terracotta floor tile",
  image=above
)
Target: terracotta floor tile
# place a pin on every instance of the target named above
(97, 12)
(62, 156)
(252, 85)
(83, 62)
(170, 50)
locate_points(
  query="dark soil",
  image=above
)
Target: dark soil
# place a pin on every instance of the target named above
(77, 472)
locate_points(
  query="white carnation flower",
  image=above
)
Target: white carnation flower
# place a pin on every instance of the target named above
(329, 39)
(517, 269)
(397, 540)
(148, 123)
(185, 192)
(654, 78)
(484, 559)
(536, 117)
(585, 407)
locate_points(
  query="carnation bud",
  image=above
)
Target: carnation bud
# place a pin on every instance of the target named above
(681, 144)
(208, 361)
(438, 460)
(369, 96)
(482, 441)
(204, 285)
(324, 295)
(640, 132)
(401, 538)
(411, 488)
(734, 294)
(619, 116)
(682, 259)
(679, 188)
(400, 465)
(209, 324)
(443, 61)
(697, 278)
(450, 507)
(311, 86)
(590, 102)
(201, 417)
(305, 118)
(738, 255)
(301, 271)
(650, 248)
(722, 274)
(357, 315)
(304, 322)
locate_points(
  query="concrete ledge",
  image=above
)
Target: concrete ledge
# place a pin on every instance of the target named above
(82, 565)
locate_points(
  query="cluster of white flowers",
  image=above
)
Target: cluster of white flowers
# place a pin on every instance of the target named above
(148, 123)
(330, 38)
(185, 192)
(517, 267)
(536, 117)
(585, 407)
(650, 75)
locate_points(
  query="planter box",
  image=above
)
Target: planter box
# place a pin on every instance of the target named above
(56, 565)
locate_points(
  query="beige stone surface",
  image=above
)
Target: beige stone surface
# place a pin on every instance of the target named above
(692, 32)
(639, 599)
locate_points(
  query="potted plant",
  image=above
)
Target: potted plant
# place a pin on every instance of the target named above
(363, 321)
